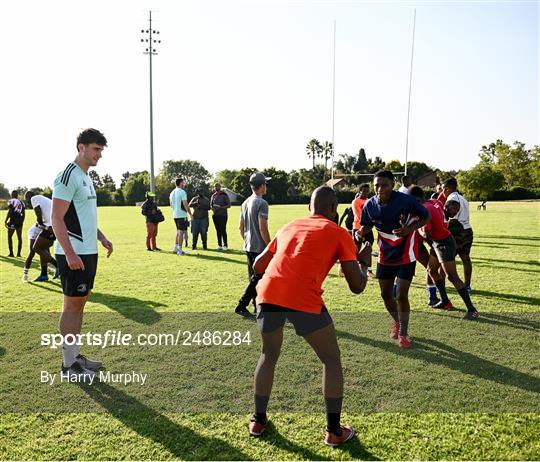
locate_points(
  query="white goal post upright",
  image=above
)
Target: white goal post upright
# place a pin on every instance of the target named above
(410, 86)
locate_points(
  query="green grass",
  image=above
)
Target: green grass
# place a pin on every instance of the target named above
(466, 391)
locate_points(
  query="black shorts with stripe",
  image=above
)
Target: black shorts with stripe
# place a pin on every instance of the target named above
(271, 317)
(77, 283)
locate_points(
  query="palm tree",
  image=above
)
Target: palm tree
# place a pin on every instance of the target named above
(313, 149)
(327, 150)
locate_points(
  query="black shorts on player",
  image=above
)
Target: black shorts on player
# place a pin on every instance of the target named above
(272, 317)
(77, 283)
(47, 234)
(444, 250)
(181, 224)
(405, 272)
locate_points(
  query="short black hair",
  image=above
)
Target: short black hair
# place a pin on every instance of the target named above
(91, 135)
(416, 191)
(452, 203)
(451, 183)
(364, 185)
(405, 177)
(14, 194)
(384, 174)
(178, 181)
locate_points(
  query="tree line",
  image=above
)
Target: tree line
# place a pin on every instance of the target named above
(503, 172)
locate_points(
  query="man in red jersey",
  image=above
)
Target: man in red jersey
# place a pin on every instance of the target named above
(295, 264)
(443, 253)
(357, 206)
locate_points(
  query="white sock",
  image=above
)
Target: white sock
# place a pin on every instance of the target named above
(69, 353)
(77, 350)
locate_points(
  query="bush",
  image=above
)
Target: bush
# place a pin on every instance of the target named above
(515, 194)
(104, 197)
(118, 197)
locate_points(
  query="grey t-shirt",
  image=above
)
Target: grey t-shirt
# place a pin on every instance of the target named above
(253, 208)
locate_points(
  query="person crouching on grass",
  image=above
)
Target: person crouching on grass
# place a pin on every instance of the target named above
(295, 264)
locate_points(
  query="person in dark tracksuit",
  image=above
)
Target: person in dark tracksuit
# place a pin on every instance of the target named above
(150, 210)
(220, 203)
(199, 225)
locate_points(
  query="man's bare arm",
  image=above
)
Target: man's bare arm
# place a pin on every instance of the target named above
(263, 227)
(242, 227)
(105, 242)
(262, 261)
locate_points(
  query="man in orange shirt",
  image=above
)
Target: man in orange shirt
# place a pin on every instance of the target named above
(357, 206)
(295, 264)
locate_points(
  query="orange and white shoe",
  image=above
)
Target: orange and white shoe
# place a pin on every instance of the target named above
(394, 331)
(404, 342)
(256, 429)
(330, 439)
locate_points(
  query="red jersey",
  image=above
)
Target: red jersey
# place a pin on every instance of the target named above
(441, 198)
(357, 206)
(436, 226)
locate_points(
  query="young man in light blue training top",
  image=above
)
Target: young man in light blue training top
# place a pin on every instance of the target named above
(181, 210)
(74, 221)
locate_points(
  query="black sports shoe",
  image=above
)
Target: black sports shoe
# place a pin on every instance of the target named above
(77, 373)
(471, 316)
(91, 364)
(243, 311)
(433, 301)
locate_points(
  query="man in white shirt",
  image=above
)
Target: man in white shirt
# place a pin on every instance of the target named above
(464, 249)
(181, 210)
(405, 183)
(42, 206)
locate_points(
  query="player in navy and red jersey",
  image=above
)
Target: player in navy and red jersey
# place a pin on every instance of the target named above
(443, 253)
(395, 216)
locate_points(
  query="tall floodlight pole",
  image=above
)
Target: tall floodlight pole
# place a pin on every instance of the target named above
(333, 100)
(150, 50)
(410, 86)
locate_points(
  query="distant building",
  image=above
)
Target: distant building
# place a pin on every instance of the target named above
(233, 197)
(336, 183)
(428, 180)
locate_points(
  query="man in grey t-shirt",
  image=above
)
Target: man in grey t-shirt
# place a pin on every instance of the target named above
(254, 232)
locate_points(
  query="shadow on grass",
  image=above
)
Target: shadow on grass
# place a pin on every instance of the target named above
(353, 447)
(437, 352)
(497, 319)
(2, 351)
(514, 267)
(141, 311)
(14, 261)
(501, 237)
(220, 258)
(225, 252)
(507, 297)
(513, 262)
(182, 442)
(503, 245)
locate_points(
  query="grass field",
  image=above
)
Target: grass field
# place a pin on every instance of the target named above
(465, 391)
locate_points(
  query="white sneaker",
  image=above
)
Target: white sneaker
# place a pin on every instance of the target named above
(225, 248)
(24, 277)
(77, 373)
(219, 247)
(175, 249)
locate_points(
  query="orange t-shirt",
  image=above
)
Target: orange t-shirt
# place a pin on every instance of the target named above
(304, 252)
(358, 206)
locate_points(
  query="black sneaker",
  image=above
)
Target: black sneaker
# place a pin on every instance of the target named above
(91, 364)
(433, 301)
(243, 311)
(77, 373)
(471, 316)
(157, 249)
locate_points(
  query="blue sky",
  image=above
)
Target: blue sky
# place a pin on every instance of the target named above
(249, 83)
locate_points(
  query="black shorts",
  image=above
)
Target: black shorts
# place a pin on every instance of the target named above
(181, 224)
(272, 317)
(396, 271)
(465, 241)
(77, 283)
(444, 250)
(47, 234)
(422, 249)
